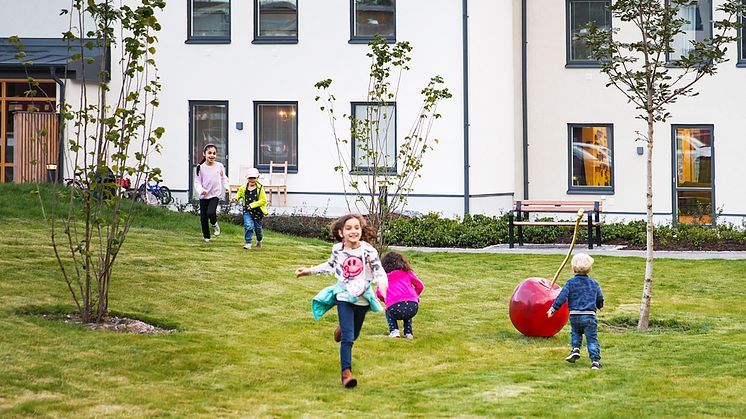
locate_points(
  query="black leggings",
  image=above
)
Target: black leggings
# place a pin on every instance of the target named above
(208, 209)
(403, 310)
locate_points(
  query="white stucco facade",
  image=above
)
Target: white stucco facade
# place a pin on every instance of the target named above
(480, 149)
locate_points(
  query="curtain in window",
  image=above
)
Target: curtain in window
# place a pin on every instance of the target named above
(682, 43)
(596, 157)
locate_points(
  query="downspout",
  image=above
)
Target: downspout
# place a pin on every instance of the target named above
(60, 121)
(465, 27)
(524, 95)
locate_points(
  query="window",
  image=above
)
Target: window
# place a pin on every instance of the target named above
(276, 134)
(591, 158)
(579, 14)
(371, 17)
(693, 181)
(276, 22)
(208, 124)
(374, 137)
(742, 43)
(208, 21)
(698, 27)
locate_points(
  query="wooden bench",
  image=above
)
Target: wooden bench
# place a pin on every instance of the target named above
(519, 217)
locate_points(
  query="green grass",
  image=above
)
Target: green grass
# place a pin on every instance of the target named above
(246, 344)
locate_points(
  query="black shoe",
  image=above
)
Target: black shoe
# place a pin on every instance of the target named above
(574, 355)
(595, 365)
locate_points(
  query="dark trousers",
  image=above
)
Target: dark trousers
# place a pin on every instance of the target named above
(403, 310)
(208, 209)
(351, 318)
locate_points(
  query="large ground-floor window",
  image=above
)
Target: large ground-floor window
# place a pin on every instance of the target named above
(25, 111)
(693, 188)
(591, 158)
(276, 134)
(208, 124)
(373, 137)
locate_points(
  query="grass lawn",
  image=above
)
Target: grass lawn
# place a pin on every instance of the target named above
(247, 345)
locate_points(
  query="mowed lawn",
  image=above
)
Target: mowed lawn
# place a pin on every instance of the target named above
(246, 344)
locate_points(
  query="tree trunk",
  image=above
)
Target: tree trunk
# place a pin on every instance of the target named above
(647, 289)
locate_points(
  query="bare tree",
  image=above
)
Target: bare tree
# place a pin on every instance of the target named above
(642, 71)
(378, 178)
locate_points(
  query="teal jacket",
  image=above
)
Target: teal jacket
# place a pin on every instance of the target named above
(327, 298)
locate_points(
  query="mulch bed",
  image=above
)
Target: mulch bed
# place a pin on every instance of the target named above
(114, 324)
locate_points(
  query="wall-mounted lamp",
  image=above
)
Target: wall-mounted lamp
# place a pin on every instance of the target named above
(239, 126)
(640, 151)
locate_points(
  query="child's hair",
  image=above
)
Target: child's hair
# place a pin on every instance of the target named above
(204, 150)
(393, 261)
(367, 234)
(582, 263)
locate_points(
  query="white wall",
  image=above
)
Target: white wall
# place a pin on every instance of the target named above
(558, 96)
(492, 154)
(242, 73)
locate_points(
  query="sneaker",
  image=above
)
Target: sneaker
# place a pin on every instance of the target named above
(409, 336)
(595, 365)
(215, 229)
(258, 245)
(207, 240)
(574, 355)
(394, 333)
(247, 246)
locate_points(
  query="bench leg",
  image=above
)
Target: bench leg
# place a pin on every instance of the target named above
(590, 231)
(510, 230)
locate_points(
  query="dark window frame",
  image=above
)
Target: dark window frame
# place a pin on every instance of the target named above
(569, 61)
(590, 190)
(357, 39)
(207, 39)
(362, 170)
(741, 62)
(259, 39)
(674, 173)
(264, 168)
(673, 63)
(192, 104)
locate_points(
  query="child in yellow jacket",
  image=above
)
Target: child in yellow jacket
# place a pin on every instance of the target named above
(254, 201)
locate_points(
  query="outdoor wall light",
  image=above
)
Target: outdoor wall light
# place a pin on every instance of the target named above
(640, 151)
(239, 126)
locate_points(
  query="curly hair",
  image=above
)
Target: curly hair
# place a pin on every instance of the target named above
(368, 235)
(393, 261)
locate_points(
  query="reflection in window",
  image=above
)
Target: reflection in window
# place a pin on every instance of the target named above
(210, 19)
(374, 137)
(694, 174)
(591, 157)
(371, 17)
(742, 41)
(696, 28)
(277, 134)
(581, 13)
(277, 19)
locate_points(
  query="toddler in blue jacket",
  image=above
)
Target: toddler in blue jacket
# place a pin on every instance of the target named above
(584, 297)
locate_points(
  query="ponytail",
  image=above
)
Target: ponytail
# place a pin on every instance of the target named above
(200, 164)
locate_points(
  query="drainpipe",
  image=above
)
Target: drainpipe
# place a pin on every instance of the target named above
(524, 95)
(465, 27)
(60, 132)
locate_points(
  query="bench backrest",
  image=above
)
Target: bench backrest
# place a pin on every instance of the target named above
(557, 206)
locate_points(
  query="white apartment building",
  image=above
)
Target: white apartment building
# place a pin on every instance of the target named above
(530, 115)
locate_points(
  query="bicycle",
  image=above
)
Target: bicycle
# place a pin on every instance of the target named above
(161, 193)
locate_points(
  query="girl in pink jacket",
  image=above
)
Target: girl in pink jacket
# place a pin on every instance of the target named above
(403, 295)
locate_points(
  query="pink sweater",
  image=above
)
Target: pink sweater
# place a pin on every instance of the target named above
(403, 286)
(211, 180)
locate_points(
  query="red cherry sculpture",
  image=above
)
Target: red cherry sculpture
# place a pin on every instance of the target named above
(528, 308)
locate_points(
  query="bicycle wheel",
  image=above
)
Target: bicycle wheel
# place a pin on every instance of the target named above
(140, 194)
(165, 197)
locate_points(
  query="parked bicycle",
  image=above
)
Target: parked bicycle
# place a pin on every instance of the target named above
(161, 193)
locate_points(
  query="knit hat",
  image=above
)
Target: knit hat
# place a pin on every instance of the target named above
(252, 172)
